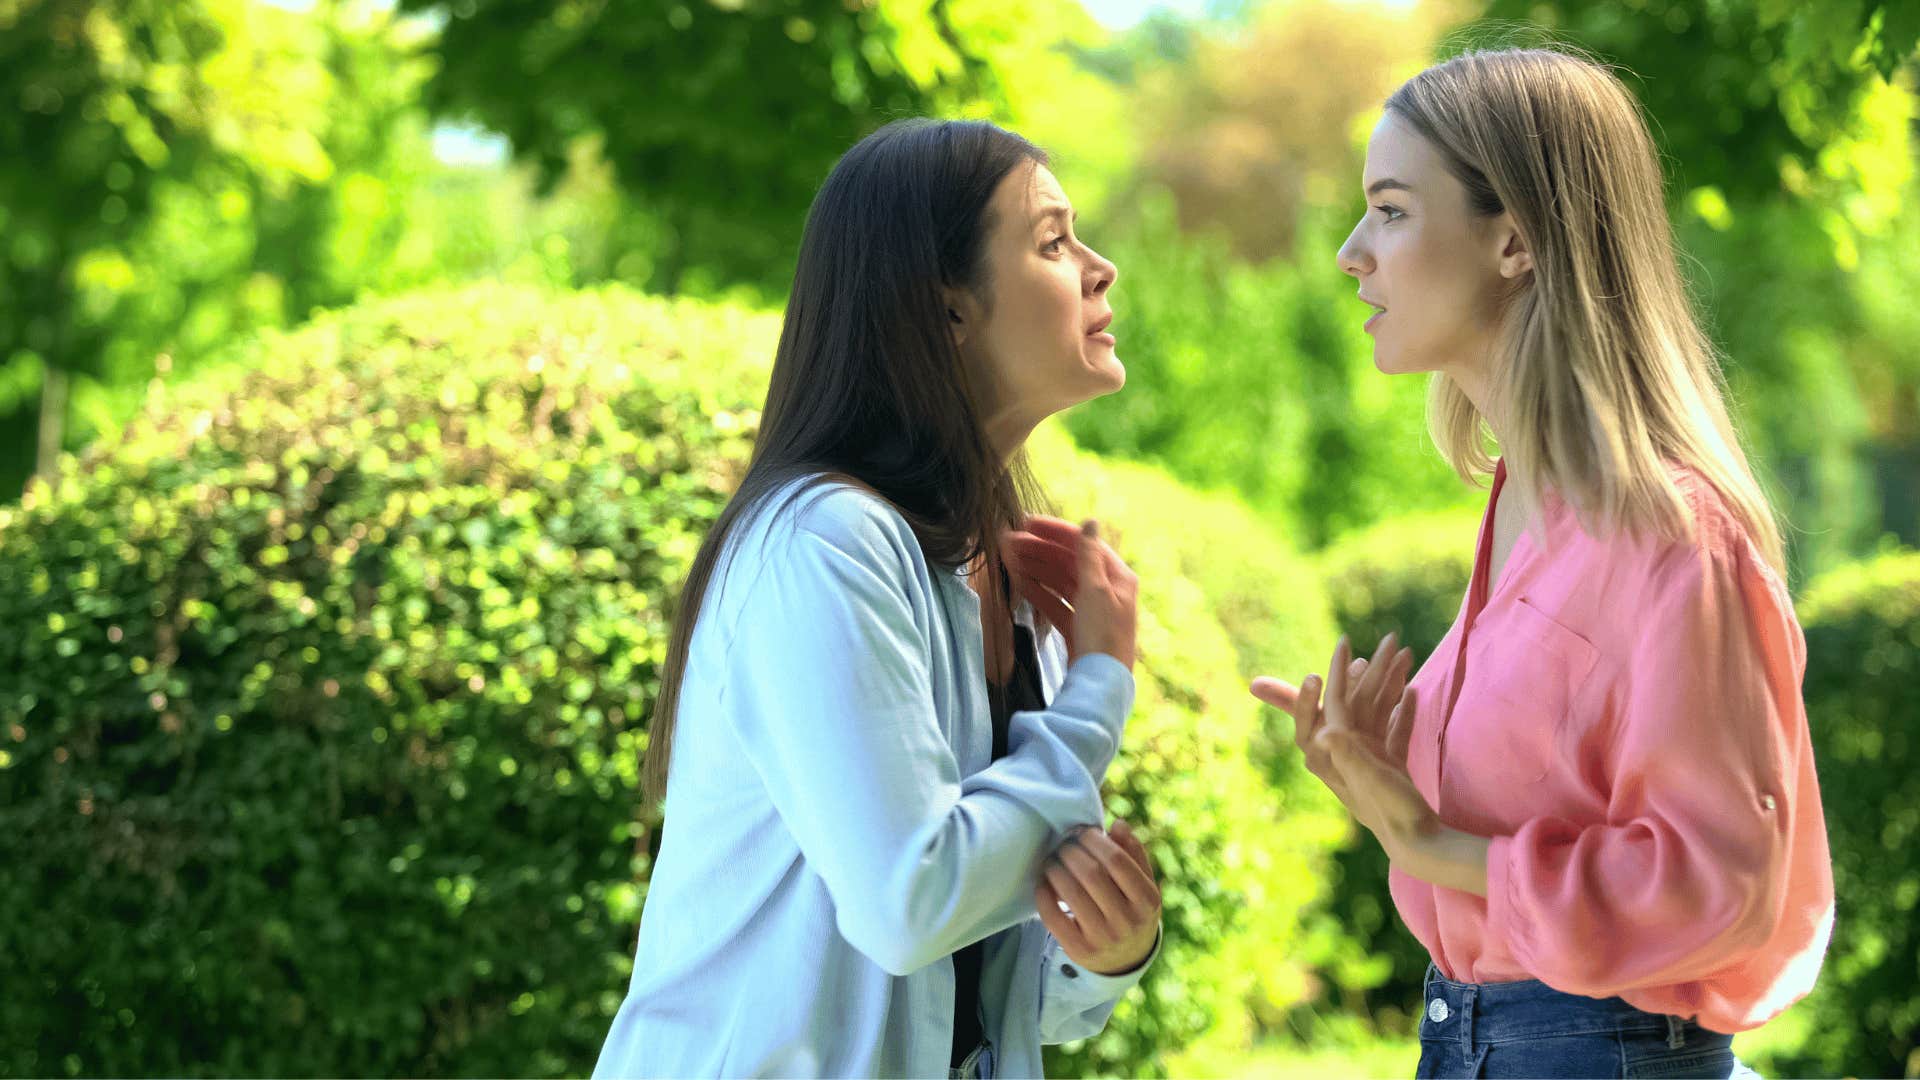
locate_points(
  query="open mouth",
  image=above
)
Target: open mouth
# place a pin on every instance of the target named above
(1374, 320)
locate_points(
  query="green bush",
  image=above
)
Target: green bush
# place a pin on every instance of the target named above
(321, 717)
(1862, 623)
(323, 712)
(1222, 597)
(1409, 575)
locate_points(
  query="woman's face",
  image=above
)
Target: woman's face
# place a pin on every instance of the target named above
(1038, 330)
(1438, 272)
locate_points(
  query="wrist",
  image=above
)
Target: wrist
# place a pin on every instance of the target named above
(1136, 964)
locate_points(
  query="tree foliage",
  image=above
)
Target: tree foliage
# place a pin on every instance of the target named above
(1738, 87)
(723, 118)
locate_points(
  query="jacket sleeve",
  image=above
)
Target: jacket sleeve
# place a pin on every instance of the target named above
(828, 688)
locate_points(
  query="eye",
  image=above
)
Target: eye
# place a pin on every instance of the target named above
(1052, 247)
(1392, 213)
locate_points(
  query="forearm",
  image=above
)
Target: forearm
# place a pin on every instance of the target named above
(1449, 858)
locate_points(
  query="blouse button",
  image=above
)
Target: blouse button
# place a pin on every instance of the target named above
(1767, 801)
(1068, 971)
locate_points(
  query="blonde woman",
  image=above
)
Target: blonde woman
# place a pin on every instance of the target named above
(1598, 794)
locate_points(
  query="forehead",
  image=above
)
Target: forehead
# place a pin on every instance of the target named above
(1397, 151)
(1027, 191)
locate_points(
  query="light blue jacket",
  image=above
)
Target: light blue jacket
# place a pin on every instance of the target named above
(835, 828)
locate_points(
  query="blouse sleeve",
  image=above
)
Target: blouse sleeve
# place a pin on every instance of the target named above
(1689, 870)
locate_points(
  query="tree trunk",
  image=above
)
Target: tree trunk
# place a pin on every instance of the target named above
(53, 419)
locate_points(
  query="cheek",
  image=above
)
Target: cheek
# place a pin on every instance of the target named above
(1438, 288)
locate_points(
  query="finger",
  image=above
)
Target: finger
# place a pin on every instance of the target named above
(1093, 925)
(1047, 902)
(1388, 692)
(1029, 585)
(1062, 584)
(1117, 571)
(1054, 610)
(1275, 692)
(1337, 675)
(1368, 689)
(1043, 558)
(1148, 883)
(1059, 535)
(1116, 908)
(1093, 563)
(1061, 532)
(1400, 735)
(1124, 868)
(1307, 718)
(1356, 669)
(1124, 835)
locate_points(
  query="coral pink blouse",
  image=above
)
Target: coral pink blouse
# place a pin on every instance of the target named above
(1623, 718)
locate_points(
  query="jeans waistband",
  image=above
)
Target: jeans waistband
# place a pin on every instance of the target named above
(1482, 1013)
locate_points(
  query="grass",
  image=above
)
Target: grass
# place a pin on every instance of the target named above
(1285, 1058)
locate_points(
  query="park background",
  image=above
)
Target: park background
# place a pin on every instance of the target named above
(369, 373)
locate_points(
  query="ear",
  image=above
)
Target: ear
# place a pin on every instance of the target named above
(1513, 258)
(964, 314)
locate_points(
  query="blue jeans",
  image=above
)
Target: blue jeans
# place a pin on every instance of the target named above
(1530, 1029)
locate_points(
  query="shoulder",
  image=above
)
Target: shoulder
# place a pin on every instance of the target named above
(1719, 557)
(819, 523)
(824, 511)
(1717, 530)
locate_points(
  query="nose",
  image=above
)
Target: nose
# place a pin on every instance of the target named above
(1353, 256)
(1100, 274)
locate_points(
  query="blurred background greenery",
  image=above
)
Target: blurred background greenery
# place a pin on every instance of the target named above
(368, 371)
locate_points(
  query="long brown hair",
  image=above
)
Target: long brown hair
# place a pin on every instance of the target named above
(868, 385)
(1603, 374)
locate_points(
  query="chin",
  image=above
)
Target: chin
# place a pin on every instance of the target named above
(1392, 362)
(1098, 379)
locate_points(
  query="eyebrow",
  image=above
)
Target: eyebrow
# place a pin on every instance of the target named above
(1379, 186)
(1056, 210)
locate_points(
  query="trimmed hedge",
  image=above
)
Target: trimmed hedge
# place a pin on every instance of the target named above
(321, 717)
(1863, 664)
(323, 709)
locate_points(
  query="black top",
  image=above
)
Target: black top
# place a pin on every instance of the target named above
(1022, 693)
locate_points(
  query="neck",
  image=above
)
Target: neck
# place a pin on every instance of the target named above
(1008, 431)
(1473, 382)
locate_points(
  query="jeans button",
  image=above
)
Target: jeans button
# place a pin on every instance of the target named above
(1437, 1011)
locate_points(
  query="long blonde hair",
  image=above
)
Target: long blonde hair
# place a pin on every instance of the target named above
(1603, 374)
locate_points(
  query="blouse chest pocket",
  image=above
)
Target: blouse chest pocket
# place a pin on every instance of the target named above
(1524, 671)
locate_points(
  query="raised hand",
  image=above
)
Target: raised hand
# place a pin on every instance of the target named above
(1356, 742)
(1392, 729)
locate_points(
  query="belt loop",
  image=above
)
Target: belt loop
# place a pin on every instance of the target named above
(1469, 1015)
(1676, 1033)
